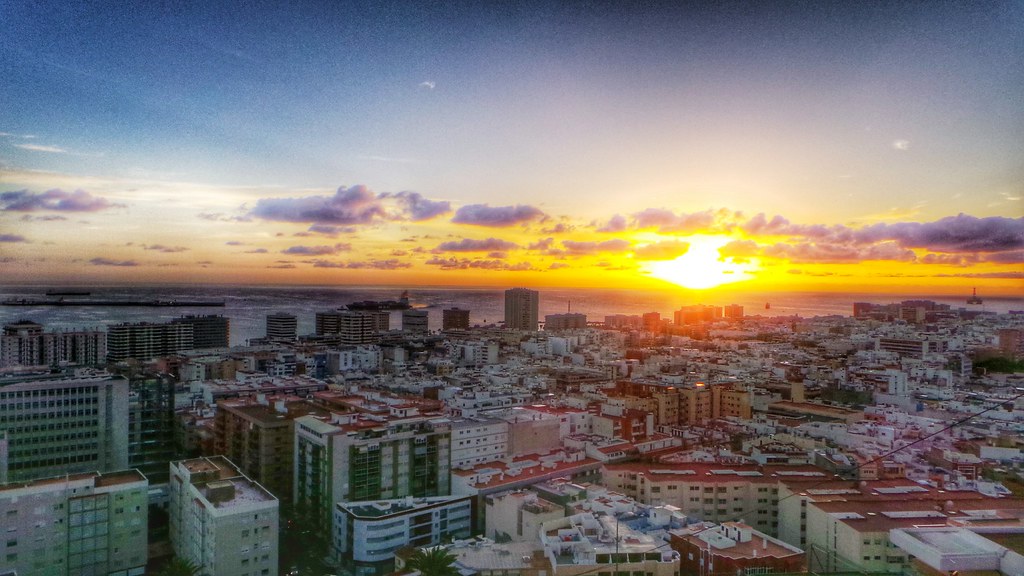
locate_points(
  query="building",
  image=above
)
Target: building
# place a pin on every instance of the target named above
(372, 531)
(87, 523)
(357, 457)
(476, 440)
(517, 516)
(258, 436)
(354, 326)
(522, 309)
(221, 521)
(734, 548)
(415, 321)
(732, 311)
(912, 347)
(208, 331)
(24, 343)
(63, 423)
(282, 326)
(1011, 341)
(652, 321)
(151, 442)
(565, 321)
(588, 542)
(696, 314)
(454, 319)
(145, 341)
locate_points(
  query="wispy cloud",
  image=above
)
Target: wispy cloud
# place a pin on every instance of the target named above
(110, 262)
(498, 216)
(317, 250)
(54, 200)
(41, 148)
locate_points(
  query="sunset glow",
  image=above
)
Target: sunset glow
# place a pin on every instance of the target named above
(862, 147)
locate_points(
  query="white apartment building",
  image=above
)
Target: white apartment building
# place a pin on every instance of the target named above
(476, 440)
(75, 524)
(371, 531)
(221, 520)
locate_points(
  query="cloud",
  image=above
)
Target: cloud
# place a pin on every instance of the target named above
(44, 218)
(348, 206)
(427, 84)
(666, 221)
(331, 230)
(41, 148)
(470, 245)
(740, 249)
(219, 217)
(497, 216)
(901, 145)
(257, 251)
(110, 262)
(234, 243)
(616, 245)
(616, 223)
(467, 264)
(960, 233)
(165, 249)
(285, 266)
(420, 208)
(665, 250)
(390, 264)
(316, 250)
(560, 228)
(54, 200)
(557, 266)
(838, 253)
(543, 245)
(12, 238)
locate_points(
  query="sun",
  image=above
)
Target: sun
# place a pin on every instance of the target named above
(702, 266)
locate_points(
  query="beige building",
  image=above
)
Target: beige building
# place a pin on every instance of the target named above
(517, 516)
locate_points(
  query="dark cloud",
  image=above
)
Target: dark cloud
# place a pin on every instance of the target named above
(497, 216)
(419, 208)
(330, 230)
(665, 250)
(390, 264)
(560, 228)
(824, 252)
(109, 262)
(471, 245)
(355, 205)
(54, 200)
(1006, 257)
(12, 238)
(316, 250)
(467, 264)
(960, 233)
(616, 245)
(286, 266)
(162, 248)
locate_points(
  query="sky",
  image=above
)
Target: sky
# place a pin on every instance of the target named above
(775, 146)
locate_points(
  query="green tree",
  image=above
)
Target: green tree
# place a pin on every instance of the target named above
(435, 561)
(179, 567)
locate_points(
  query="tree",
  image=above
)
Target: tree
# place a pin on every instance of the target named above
(179, 567)
(435, 561)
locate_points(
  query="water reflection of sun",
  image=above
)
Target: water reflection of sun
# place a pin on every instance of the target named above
(702, 266)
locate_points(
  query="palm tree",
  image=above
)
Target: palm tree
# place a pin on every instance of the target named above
(179, 567)
(436, 561)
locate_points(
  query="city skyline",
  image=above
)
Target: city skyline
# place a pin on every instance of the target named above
(803, 147)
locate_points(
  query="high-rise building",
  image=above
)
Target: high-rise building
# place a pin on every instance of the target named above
(415, 321)
(88, 523)
(208, 331)
(362, 326)
(652, 321)
(145, 341)
(259, 438)
(733, 311)
(565, 321)
(24, 343)
(63, 423)
(282, 326)
(222, 521)
(697, 313)
(522, 309)
(151, 442)
(328, 322)
(354, 458)
(455, 319)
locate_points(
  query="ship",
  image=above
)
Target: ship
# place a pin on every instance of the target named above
(975, 299)
(140, 303)
(401, 304)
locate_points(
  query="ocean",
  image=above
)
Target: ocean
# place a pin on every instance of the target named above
(247, 306)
